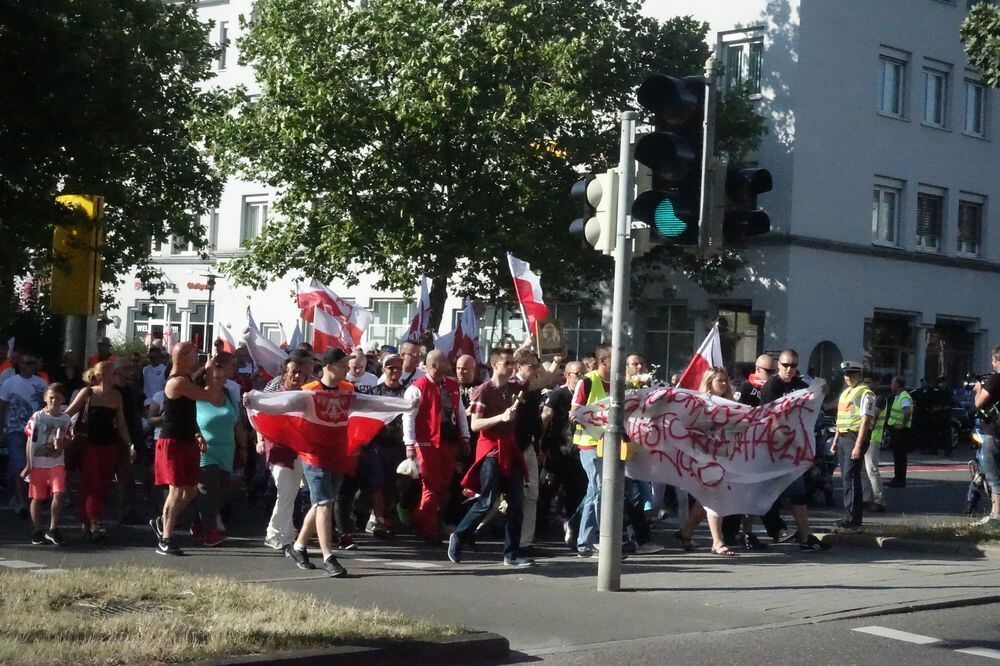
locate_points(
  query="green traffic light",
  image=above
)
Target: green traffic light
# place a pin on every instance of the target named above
(666, 221)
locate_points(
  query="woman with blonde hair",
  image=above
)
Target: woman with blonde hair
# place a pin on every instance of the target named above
(715, 382)
(102, 420)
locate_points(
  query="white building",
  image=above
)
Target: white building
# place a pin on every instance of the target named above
(882, 145)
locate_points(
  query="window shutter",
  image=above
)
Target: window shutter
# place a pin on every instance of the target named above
(969, 226)
(929, 209)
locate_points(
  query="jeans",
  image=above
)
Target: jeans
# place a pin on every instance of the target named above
(16, 443)
(490, 482)
(323, 484)
(635, 505)
(851, 472)
(590, 508)
(280, 529)
(871, 481)
(991, 463)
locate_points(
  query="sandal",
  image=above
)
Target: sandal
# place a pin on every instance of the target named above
(725, 551)
(686, 542)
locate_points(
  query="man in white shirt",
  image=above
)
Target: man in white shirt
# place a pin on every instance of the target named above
(410, 352)
(154, 375)
(21, 395)
(358, 374)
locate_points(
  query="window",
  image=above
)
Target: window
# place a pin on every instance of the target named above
(273, 332)
(930, 220)
(668, 341)
(223, 44)
(935, 97)
(200, 324)
(149, 318)
(975, 108)
(743, 65)
(892, 86)
(498, 321)
(254, 217)
(970, 226)
(889, 341)
(391, 320)
(885, 213)
(582, 325)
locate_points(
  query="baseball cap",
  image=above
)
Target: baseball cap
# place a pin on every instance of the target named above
(392, 358)
(333, 356)
(851, 366)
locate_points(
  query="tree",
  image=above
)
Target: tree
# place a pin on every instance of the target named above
(419, 136)
(981, 36)
(102, 98)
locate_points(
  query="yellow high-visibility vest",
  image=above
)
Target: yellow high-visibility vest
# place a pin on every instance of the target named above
(849, 414)
(597, 392)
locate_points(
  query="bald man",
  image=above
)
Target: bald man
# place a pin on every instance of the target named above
(748, 391)
(433, 434)
(467, 370)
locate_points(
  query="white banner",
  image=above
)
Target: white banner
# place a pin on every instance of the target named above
(733, 458)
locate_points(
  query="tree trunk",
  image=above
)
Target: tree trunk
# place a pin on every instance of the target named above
(438, 296)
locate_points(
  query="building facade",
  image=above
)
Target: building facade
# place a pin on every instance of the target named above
(882, 145)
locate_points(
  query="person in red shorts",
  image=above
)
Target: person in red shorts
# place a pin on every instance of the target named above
(45, 471)
(178, 450)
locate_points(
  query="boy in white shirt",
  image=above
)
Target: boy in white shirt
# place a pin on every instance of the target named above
(45, 470)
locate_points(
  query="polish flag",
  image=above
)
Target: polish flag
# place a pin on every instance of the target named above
(329, 333)
(464, 339)
(331, 426)
(709, 355)
(422, 319)
(529, 293)
(317, 295)
(268, 358)
(228, 340)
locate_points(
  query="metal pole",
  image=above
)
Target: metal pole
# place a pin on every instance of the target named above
(609, 561)
(708, 162)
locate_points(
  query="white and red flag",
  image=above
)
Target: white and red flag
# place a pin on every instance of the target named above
(422, 319)
(529, 293)
(329, 332)
(464, 339)
(332, 426)
(709, 355)
(227, 337)
(269, 359)
(354, 318)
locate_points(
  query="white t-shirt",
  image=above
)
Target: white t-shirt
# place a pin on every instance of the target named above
(157, 399)
(867, 405)
(24, 397)
(154, 379)
(41, 431)
(407, 378)
(365, 380)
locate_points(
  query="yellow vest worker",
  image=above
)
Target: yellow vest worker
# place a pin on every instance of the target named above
(855, 416)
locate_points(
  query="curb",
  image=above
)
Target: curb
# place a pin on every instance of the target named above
(479, 646)
(959, 548)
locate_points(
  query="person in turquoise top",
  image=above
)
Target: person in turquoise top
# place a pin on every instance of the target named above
(220, 427)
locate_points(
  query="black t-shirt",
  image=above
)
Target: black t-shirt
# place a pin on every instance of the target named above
(991, 386)
(559, 434)
(528, 424)
(775, 388)
(748, 394)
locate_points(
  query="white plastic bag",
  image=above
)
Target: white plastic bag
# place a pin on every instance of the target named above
(410, 468)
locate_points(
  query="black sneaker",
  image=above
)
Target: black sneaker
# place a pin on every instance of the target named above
(455, 548)
(846, 526)
(751, 542)
(38, 537)
(167, 547)
(157, 525)
(812, 544)
(55, 538)
(333, 568)
(300, 557)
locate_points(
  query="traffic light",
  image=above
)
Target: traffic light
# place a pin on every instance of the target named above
(742, 219)
(598, 196)
(76, 273)
(669, 188)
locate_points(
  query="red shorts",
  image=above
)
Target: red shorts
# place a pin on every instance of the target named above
(177, 462)
(46, 480)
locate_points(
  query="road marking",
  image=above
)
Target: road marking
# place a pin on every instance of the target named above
(48, 571)
(369, 559)
(20, 564)
(894, 634)
(415, 565)
(981, 652)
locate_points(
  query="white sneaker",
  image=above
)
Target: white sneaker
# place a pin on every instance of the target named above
(649, 549)
(988, 520)
(273, 542)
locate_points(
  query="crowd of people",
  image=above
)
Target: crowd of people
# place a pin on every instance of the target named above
(483, 447)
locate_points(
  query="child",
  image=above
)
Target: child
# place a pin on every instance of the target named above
(45, 470)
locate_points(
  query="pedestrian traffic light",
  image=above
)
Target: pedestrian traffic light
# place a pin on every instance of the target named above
(598, 197)
(742, 219)
(669, 198)
(76, 272)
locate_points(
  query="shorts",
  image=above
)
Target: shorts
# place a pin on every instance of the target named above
(991, 463)
(323, 484)
(795, 493)
(44, 481)
(377, 467)
(177, 462)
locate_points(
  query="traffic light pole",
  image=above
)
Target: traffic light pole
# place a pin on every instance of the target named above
(609, 561)
(709, 164)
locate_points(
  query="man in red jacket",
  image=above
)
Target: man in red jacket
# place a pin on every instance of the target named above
(432, 435)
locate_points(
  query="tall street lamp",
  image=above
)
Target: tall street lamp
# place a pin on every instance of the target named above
(210, 282)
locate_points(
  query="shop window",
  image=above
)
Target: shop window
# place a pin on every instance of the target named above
(668, 341)
(889, 344)
(949, 351)
(741, 334)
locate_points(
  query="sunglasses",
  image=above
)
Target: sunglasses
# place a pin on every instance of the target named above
(788, 365)
(769, 371)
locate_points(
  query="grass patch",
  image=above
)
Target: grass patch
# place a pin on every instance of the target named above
(61, 618)
(984, 534)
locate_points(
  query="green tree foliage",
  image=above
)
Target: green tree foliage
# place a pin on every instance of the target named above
(410, 136)
(981, 35)
(102, 97)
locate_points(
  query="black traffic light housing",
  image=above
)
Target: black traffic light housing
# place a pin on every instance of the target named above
(742, 218)
(578, 197)
(670, 202)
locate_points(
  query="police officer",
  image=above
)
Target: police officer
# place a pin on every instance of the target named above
(855, 415)
(896, 427)
(987, 399)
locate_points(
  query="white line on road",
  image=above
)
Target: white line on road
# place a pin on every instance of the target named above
(20, 564)
(415, 565)
(894, 634)
(49, 571)
(981, 652)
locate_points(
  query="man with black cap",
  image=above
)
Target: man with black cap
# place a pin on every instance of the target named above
(103, 353)
(855, 416)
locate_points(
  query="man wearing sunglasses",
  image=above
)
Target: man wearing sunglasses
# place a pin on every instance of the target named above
(784, 382)
(748, 392)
